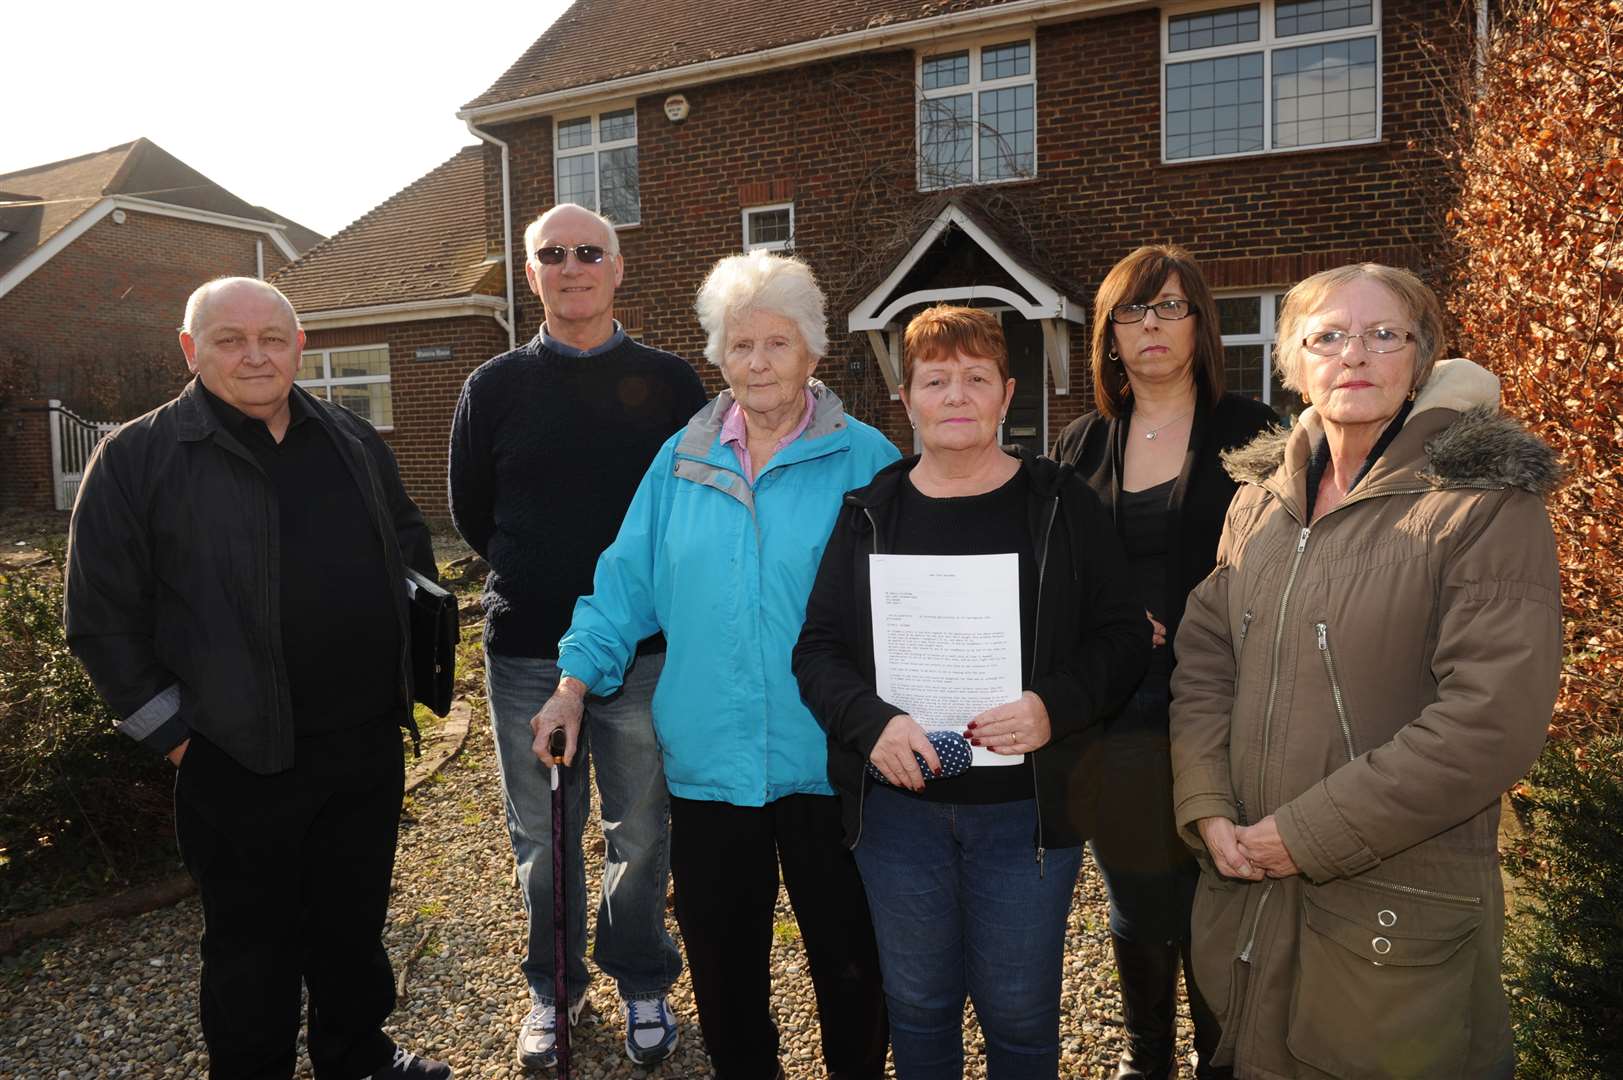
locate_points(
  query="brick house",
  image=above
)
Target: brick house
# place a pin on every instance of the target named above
(399, 307)
(98, 254)
(999, 152)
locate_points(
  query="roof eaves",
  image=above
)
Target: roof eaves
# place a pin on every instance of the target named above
(867, 39)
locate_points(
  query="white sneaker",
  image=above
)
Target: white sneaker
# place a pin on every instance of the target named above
(538, 1034)
(651, 1032)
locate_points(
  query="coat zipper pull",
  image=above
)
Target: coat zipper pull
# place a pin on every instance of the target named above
(1301, 541)
(1240, 807)
(1324, 636)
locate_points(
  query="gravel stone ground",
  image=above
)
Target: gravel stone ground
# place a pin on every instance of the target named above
(118, 999)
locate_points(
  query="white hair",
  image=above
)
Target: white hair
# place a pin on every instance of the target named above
(202, 294)
(761, 281)
(532, 233)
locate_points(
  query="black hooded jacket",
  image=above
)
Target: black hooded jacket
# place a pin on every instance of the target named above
(1092, 642)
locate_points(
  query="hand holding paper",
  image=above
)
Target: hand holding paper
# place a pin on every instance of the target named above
(946, 632)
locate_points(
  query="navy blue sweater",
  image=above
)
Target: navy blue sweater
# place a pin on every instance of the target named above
(546, 452)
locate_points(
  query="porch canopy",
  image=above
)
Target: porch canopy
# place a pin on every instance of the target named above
(962, 256)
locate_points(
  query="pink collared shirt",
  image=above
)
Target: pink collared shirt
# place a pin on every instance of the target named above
(734, 433)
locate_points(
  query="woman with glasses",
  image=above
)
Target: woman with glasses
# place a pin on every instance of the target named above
(1372, 663)
(1151, 452)
(718, 550)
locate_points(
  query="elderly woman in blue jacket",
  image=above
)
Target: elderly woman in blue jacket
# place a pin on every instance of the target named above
(719, 550)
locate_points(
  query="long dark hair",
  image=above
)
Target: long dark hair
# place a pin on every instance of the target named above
(1136, 280)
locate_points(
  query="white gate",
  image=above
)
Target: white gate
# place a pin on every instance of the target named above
(72, 439)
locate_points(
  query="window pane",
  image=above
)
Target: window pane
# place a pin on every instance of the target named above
(1316, 102)
(1242, 369)
(1006, 61)
(945, 125)
(1208, 29)
(572, 133)
(1007, 126)
(1312, 16)
(1287, 403)
(949, 70)
(354, 363)
(769, 226)
(576, 182)
(310, 367)
(1239, 315)
(621, 191)
(369, 401)
(614, 126)
(1219, 112)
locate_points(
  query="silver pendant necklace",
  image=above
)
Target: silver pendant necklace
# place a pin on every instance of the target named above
(1153, 432)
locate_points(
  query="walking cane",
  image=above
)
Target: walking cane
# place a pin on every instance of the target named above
(560, 912)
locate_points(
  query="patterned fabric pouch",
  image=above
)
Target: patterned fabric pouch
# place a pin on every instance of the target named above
(953, 750)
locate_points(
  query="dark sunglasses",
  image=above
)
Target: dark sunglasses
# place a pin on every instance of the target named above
(586, 253)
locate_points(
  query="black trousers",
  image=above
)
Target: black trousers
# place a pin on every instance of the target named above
(1148, 871)
(294, 871)
(725, 860)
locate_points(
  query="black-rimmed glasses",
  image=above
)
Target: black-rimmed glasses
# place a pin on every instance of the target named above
(557, 253)
(1169, 310)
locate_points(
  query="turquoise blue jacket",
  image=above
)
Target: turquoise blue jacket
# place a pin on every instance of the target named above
(724, 568)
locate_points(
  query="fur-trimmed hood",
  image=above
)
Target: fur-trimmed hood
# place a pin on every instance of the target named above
(1480, 448)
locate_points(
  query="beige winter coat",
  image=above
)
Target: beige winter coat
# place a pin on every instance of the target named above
(1376, 680)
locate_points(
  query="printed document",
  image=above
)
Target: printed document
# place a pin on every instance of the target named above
(946, 633)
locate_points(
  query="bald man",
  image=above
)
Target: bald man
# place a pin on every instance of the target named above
(235, 571)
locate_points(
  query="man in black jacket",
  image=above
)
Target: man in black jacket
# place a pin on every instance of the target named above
(235, 590)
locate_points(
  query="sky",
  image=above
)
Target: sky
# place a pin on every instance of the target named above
(316, 110)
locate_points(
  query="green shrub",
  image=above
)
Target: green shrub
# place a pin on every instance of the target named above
(1565, 943)
(80, 805)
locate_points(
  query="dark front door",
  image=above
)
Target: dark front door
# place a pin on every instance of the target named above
(1024, 424)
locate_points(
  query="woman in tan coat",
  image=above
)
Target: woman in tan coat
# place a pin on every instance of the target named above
(1371, 664)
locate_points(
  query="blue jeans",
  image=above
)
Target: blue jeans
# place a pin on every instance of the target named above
(617, 743)
(958, 907)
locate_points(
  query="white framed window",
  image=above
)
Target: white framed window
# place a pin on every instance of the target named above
(1248, 322)
(977, 114)
(769, 228)
(356, 378)
(1269, 76)
(595, 163)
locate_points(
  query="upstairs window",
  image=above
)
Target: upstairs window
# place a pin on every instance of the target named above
(1248, 323)
(357, 379)
(769, 228)
(1269, 76)
(978, 115)
(596, 163)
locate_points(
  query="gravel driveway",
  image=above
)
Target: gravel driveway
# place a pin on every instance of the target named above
(119, 998)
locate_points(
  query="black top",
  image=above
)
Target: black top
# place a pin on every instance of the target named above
(546, 453)
(1088, 649)
(1200, 495)
(993, 523)
(336, 598)
(1141, 518)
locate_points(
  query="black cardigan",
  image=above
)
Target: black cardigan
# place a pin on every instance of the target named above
(1092, 642)
(1200, 497)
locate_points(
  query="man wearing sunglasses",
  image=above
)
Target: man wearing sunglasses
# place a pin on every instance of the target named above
(548, 444)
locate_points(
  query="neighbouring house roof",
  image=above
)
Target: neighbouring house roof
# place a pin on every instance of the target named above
(39, 203)
(425, 243)
(598, 41)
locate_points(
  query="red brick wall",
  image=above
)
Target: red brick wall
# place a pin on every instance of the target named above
(423, 392)
(95, 326)
(842, 134)
(25, 448)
